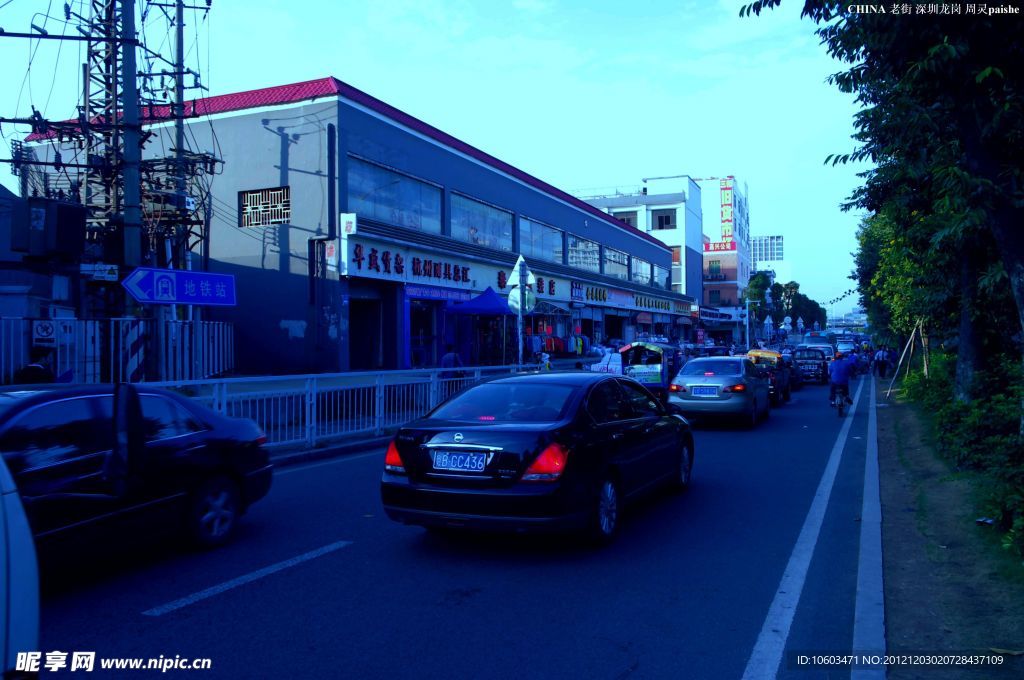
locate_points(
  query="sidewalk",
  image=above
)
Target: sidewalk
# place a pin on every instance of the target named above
(949, 588)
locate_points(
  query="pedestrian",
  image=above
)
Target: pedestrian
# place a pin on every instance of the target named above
(450, 360)
(892, 358)
(881, 361)
(37, 371)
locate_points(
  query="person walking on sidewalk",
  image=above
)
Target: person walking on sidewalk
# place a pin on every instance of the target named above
(450, 360)
(881, 361)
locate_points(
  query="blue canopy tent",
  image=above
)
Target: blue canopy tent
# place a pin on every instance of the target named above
(487, 303)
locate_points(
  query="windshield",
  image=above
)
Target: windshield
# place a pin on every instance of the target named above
(713, 367)
(641, 356)
(507, 402)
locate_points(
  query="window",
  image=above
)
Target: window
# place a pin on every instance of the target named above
(627, 217)
(607, 403)
(641, 271)
(644, 405)
(264, 207)
(539, 240)
(584, 254)
(714, 296)
(54, 433)
(387, 196)
(662, 277)
(507, 402)
(480, 224)
(663, 219)
(713, 367)
(677, 254)
(616, 263)
(163, 419)
(714, 267)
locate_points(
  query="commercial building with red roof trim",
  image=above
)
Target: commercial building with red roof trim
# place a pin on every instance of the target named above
(436, 223)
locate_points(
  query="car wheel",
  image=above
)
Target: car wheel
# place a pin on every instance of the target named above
(214, 512)
(684, 469)
(752, 417)
(605, 519)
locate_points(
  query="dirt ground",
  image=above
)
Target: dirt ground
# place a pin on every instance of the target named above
(949, 587)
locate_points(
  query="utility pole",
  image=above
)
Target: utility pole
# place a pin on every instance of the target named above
(132, 154)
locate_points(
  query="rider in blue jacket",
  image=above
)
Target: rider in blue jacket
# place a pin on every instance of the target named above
(839, 372)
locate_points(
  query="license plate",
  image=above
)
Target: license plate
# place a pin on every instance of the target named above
(456, 461)
(705, 391)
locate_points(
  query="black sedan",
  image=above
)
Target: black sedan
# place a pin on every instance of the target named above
(82, 456)
(561, 451)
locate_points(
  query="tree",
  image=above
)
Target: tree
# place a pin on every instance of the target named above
(943, 122)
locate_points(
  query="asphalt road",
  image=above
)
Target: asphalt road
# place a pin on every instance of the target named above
(319, 583)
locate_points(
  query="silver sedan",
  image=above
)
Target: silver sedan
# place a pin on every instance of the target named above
(724, 386)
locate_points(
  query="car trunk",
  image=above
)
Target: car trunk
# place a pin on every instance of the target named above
(463, 454)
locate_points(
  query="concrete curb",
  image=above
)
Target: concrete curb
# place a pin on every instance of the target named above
(287, 458)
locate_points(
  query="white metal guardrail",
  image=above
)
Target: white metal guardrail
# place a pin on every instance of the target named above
(313, 409)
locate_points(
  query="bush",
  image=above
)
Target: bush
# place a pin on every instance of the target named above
(983, 434)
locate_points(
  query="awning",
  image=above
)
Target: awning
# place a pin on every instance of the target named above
(545, 308)
(684, 321)
(644, 317)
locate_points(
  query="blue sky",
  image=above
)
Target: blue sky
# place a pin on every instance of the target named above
(582, 94)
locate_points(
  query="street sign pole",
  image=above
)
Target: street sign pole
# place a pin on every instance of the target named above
(519, 314)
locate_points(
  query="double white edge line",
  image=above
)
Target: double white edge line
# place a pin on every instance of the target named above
(869, 616)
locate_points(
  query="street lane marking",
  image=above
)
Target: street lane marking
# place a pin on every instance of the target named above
(242, 580)
(869, 611)
(340, 459)
(771, 643)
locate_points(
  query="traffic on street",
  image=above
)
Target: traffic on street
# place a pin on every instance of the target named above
(319, 582)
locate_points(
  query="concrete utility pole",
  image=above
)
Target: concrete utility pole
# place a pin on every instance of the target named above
(132, 155)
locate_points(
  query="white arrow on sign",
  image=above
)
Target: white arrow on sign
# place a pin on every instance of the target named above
(132, 283)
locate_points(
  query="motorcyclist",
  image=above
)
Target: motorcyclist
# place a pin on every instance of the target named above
(839, 372)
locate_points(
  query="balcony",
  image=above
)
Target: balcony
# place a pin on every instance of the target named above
(714, 277)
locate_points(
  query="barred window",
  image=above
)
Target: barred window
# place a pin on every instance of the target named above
(264, 207)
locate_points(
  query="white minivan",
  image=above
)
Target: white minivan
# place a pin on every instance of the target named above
(19, 579)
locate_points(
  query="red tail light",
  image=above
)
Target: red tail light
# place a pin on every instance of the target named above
(736, 388)
(549, 465)
(261, 439)
(676, 388)
(392, 461)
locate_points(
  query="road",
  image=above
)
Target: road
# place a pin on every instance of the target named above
(319, 583)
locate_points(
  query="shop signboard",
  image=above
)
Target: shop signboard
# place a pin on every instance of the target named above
(645, 375)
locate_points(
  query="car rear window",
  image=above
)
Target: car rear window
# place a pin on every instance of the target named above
(808, 354)
(713, 367)
(507, 403)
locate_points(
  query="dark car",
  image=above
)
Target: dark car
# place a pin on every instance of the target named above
(812, 362)
(560, 451)
(84, 455)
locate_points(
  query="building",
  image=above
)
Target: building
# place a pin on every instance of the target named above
(727, 262)
(765, 249)
(670, 210)
(437, 223)
(767, 254)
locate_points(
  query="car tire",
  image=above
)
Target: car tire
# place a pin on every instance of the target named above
(684, 468)
(214, 511)
(606, 514)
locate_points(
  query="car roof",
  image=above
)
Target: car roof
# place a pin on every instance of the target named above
(571, 378)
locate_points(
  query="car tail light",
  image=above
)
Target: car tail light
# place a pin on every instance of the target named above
(676, 388)
(392, 461)
(549, 465)
(260, 440)
(735, 388)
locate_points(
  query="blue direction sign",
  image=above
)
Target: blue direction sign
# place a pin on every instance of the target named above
(176, 286)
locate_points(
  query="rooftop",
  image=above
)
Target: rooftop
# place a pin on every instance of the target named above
(332, 87)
